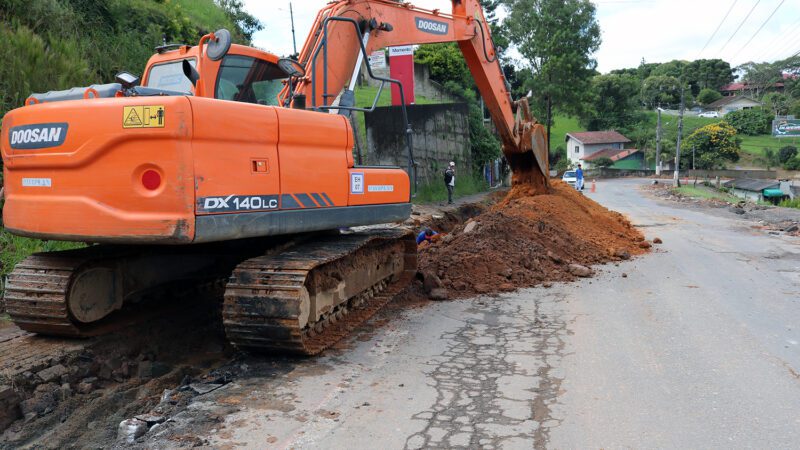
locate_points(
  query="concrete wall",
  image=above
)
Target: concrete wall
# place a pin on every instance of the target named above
(440, 135)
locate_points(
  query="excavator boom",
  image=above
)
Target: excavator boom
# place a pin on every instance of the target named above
(331, 56)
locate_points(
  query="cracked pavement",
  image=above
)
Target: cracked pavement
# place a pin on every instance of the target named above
(698, 346)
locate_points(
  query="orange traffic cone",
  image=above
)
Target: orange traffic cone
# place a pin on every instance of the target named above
(594, 188)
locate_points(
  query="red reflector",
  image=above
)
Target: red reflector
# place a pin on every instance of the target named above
(151, 180)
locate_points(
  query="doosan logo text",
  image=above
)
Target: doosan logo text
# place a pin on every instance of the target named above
(43, 135)
(431, 26)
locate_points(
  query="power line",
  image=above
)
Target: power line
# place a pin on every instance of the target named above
(789, 32)
(718, 27)
(740, 26)
(760, 28)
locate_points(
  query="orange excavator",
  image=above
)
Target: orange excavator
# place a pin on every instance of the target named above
(227, 162)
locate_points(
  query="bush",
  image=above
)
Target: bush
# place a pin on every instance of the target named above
(603, 162)
(707, 96)
(786, 153)
(792, 164)
(751, 122)
(714, 144)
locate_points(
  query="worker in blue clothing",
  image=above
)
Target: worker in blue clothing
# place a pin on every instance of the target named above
(426, 235)
(579, 178)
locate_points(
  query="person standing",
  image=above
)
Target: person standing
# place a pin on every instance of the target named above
(579, 178)
(450, 181)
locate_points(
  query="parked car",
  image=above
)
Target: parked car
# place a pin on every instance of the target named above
(570, 178)
(710, 114)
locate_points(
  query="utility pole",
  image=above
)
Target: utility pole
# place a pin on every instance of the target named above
(676, 176)
(693, 158)
(658, 143)
(294, 40)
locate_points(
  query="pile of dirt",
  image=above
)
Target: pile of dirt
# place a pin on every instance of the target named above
(527, 240)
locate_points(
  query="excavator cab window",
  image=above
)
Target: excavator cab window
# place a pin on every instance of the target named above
(249, 80)
(169, 76)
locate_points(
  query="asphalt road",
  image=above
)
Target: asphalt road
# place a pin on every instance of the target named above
(696, 348)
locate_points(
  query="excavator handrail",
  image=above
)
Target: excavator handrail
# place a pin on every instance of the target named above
(324, 48)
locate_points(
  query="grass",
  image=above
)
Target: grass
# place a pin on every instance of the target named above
(755, 145)
(14, 249)
(435, 191)
(707, 193)
(561, 126)
(205, 13)
(791, 203)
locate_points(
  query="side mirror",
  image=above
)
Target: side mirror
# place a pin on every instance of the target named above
(292, 67)
(219, 46)
(127, 80)
(190, 72)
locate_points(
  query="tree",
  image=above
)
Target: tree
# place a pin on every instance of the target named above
(751, 122)
(778, 103)
(447, 67)
(707, 74)
(246, 24)
(770, 158)
(786, 153)
(708, 96)
(611, 103)
(603, 162)
(759, 76)
(556, 39)
(661, 90)
(713, 144)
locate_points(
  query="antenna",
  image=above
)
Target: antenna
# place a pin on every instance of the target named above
(294, 40)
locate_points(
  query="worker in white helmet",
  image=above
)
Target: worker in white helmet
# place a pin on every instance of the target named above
(450, 181)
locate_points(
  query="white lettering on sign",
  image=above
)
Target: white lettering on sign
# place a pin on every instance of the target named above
(401, 51)
(37, 136)
(37, 182)
(357, 183)
(380, 188)
(431, 26)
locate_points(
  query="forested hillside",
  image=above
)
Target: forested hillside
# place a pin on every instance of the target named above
(58, 44)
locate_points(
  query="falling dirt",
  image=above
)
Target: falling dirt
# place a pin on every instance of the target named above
(526, 240)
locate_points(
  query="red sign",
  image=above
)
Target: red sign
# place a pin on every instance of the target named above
(401, 68)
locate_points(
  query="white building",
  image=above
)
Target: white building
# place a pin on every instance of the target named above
(580, 145)
(735, 103)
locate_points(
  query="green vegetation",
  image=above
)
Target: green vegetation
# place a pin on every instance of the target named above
(59, 44)
(562, 125)
(790, 203)
(435, 191)
(755, 145)
(713, 145)
(705, 192)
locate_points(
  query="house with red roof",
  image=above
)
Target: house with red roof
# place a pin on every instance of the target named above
(739, 89)
(588, 146)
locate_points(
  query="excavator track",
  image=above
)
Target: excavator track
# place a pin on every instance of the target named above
(36, 292)
(305, 299)
(80, 293)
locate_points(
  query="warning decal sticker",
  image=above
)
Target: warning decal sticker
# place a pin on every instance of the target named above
(151, 116)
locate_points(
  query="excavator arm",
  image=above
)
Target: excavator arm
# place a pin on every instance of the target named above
(332, 56)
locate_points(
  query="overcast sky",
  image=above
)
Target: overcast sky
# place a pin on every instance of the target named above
(656, 30)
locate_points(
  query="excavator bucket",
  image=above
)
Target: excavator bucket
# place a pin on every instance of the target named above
(528, 160)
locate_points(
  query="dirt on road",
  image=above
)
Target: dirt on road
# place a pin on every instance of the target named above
(526, 240)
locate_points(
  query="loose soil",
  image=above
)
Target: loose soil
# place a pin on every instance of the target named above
(529, 239)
